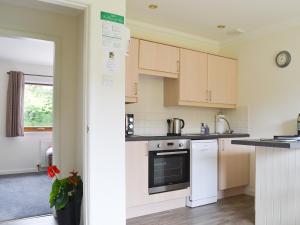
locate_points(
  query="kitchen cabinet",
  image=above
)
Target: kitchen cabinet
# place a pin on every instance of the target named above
(205, 80)
(138, 200)
(158, 59)
(132, 73)
(234, 164)
(193, 76)
(136, 173)
(222, 80)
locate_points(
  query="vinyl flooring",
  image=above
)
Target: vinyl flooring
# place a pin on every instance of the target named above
(230, 211)
(238, 210)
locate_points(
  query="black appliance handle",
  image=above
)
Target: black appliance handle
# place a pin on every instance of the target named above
(182, 123)
(172, 153)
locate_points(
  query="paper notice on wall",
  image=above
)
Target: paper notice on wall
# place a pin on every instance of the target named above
(112, 30)
(113, 45)
(112, 62)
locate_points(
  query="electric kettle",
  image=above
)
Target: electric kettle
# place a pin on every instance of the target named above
(175, 125)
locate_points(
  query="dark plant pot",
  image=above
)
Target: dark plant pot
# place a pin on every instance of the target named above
(77, 207)
(70, 215)
(66, 216)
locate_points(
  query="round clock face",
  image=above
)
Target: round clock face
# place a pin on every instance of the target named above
(283, 59)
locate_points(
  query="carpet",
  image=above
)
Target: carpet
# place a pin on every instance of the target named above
(24, 195)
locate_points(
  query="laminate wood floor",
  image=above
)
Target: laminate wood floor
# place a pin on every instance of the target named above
(238, 210)
(43, 220)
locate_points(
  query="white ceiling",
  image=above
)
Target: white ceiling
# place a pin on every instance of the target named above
(41, 5)
(27, 50)
(200, 17)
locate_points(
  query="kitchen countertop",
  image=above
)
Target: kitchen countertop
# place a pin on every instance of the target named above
(268, 143)
(185, 136)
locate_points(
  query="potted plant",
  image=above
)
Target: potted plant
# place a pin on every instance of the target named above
(66, 197)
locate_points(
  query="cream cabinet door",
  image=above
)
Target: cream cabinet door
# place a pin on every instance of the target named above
(193, 76)
(234, 164)
(131, 78)
(136, 173)
(158, 57)
(222, 80)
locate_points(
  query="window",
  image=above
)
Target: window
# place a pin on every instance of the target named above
(38, 107)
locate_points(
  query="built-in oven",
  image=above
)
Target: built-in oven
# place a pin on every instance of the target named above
(169, 165)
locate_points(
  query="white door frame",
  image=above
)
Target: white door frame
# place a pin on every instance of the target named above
(85, 7)
(13, 33)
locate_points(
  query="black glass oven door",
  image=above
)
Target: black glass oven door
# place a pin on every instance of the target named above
(168, 170)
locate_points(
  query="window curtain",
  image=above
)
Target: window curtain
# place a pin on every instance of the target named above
(15, 104)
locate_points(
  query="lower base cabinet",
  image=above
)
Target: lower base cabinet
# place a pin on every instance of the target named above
(138, 200)
(234, 164)
(234, 172)
(136, 173)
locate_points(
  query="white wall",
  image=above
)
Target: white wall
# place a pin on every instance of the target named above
(271, 93)
(20, 154)
(49, 25)
(106, 109)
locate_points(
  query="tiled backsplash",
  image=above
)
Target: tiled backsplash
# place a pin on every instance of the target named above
(238, 119)
(151, 115)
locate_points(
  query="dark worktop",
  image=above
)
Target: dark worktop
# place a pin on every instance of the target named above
(186, 136)
(268, 143)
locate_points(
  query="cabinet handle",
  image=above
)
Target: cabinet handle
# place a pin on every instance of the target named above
(136, 88)
(178, 66)
(223, 145)
(207, 94)
(210, 95)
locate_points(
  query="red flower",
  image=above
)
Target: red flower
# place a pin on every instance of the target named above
(56, 170)
(52, 171)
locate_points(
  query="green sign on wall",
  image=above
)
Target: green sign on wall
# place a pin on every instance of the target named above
(112, 17)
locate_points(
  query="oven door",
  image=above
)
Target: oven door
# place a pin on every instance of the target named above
(169, 170)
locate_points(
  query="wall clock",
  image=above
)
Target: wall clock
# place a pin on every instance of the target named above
(283, 59)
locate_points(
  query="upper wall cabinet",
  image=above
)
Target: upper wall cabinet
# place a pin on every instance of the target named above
(222, 80)
(132, 73)
(205, 80)
(193, 76)
(158, 59)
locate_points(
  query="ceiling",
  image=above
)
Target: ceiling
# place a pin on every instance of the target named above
(41, 5)
(201, 17)
(27, 50)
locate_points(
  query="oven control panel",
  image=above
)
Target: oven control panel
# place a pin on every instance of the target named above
(160, 145)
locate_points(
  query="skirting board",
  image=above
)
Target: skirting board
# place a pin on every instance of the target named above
(18, 171)
(232, 192)
(250, 191)
(154, 207)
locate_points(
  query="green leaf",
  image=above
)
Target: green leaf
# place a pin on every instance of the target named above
(54, 192)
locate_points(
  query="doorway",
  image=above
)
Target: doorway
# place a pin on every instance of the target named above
(63, 27)
(24, 185)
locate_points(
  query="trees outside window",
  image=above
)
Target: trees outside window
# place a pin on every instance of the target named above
(38, 107)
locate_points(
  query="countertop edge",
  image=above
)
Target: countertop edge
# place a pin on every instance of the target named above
(190, 137)
(270, 144)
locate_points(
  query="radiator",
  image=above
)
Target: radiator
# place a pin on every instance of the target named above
(43, 158)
